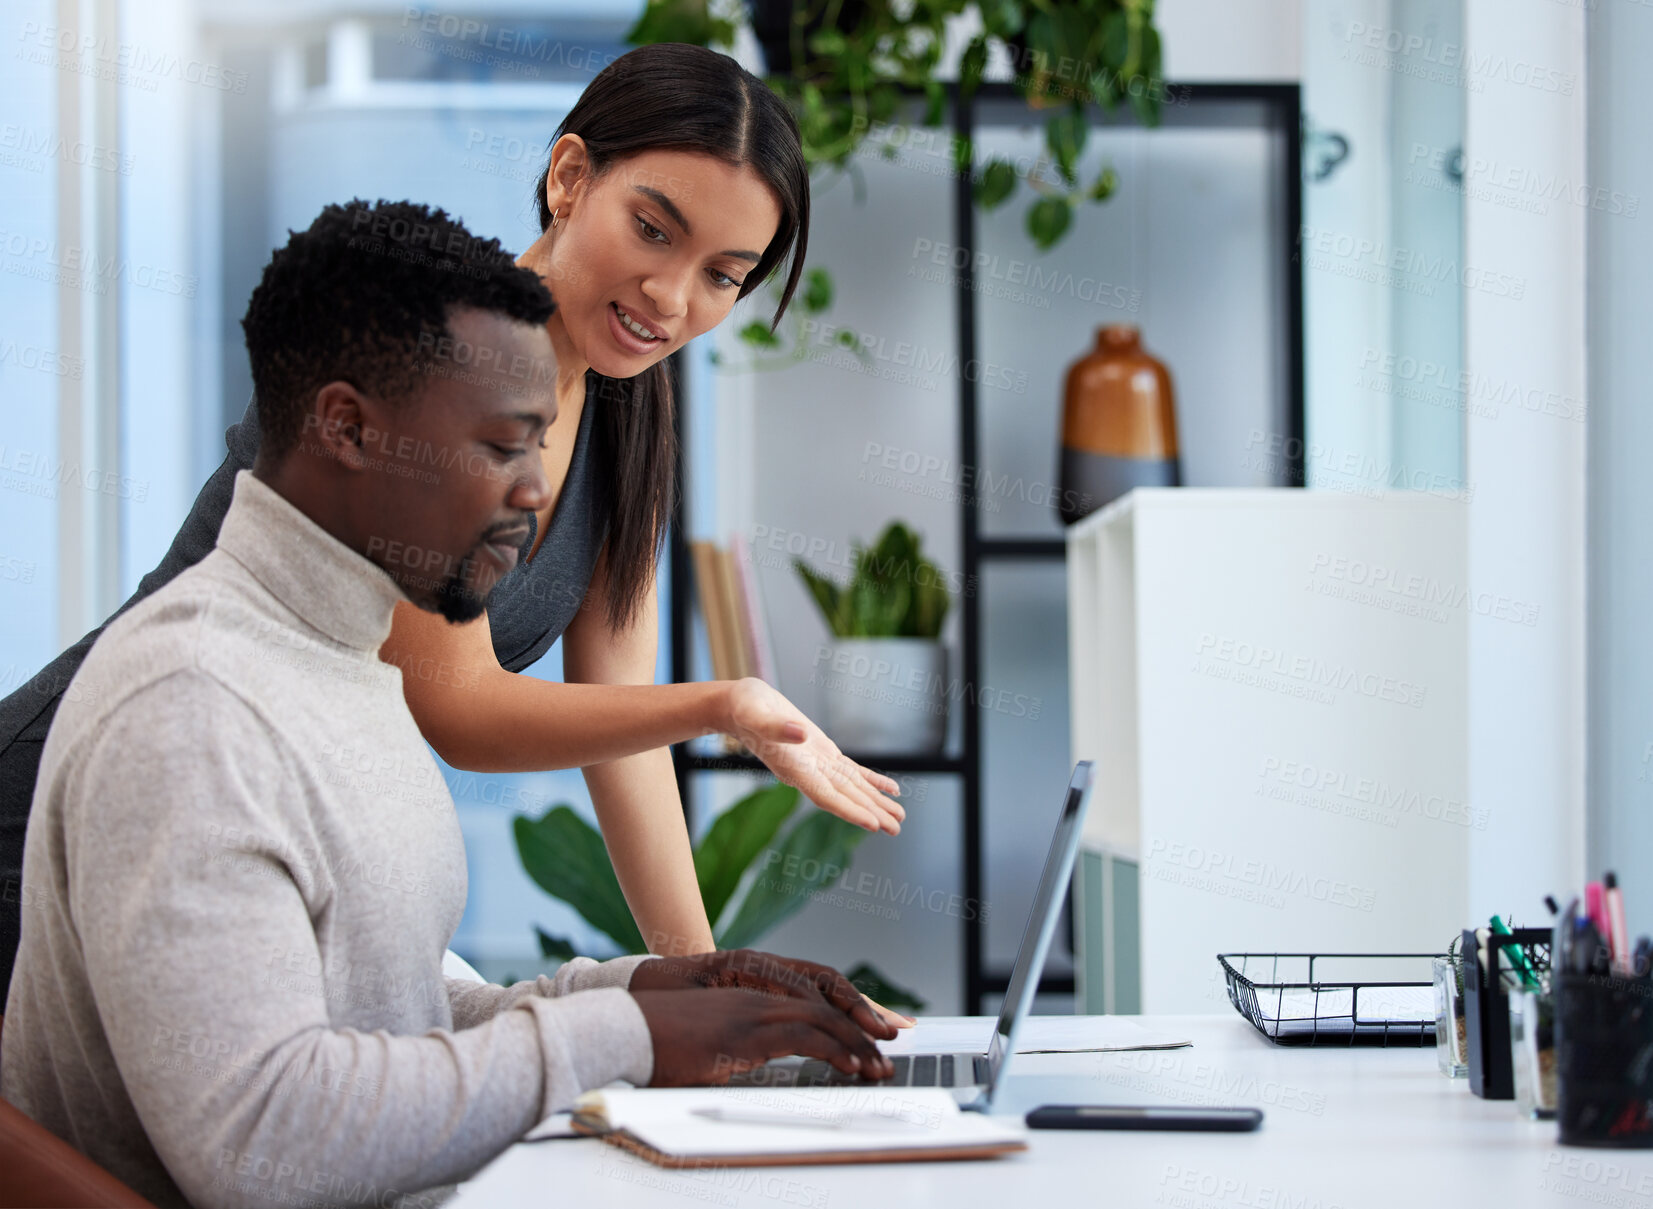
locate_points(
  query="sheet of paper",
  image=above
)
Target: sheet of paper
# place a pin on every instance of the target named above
(1039, 1035)
(1376, 1003)
(1084, 1034)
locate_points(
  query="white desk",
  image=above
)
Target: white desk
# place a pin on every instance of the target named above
(1363, 1128)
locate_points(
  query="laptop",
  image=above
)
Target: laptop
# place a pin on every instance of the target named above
(973, 1077)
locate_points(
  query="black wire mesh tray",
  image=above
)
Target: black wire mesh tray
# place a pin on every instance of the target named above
(1335, 998)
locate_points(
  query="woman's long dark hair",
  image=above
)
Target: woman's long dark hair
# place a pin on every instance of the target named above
(670, 96)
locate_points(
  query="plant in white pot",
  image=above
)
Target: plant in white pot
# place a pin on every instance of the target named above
(883, 674)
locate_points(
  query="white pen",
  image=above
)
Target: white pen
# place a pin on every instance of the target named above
(845, 1120)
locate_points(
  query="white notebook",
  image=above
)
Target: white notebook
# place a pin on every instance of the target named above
(761, 1126)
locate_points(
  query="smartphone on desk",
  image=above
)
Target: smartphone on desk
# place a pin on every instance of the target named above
(1113, 1116)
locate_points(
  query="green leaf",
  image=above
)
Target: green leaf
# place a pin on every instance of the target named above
(1116, 35)
(679, 21)
(1146, 89)
(829, 43)
(828, 596)
(935, 102)
(877, 609)
(997, 182)
(973, 64)
(817, 290)
(874, 985)
(931, 601)
(1048, 218)
(758, 333)
(565, 856)
(1065, 136)
(895, 545)
(1043, 48)
(557, 948)
(1103, 188)
(738, 835)
(1001, 18)
(815, 853)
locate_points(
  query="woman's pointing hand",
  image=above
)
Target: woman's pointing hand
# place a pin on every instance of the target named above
(800, 754)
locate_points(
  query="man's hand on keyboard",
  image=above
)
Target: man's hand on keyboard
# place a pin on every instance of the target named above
(765, 974)
(705, 1035)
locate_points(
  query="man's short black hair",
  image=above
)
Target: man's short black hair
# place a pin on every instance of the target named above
(350, 298)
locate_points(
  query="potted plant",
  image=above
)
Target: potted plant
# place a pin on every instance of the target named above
(884, 672)
(751, 875)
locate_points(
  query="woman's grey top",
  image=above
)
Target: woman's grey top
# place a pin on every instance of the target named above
(527, 613)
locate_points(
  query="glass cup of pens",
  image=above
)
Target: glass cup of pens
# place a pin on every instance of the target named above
(1451, 1029)
(1525, 970)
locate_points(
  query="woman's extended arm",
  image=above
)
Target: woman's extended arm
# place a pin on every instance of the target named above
(636, 797)
(483, 718)
(479, 716)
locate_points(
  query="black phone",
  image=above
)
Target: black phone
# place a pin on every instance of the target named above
(1111, 1116)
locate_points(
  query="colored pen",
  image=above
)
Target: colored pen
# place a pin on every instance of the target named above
(1593, 907)
(1517, 956)
(1618, 937)
(1590, 950)
(1562, 937)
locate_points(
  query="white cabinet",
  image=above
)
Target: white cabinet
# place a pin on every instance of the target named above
(1272, 683)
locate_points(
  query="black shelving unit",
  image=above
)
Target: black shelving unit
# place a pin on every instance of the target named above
(1188, 105)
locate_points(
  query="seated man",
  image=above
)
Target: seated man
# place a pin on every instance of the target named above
(243, 864)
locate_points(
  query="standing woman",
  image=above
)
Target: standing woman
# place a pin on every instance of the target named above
(676, 185)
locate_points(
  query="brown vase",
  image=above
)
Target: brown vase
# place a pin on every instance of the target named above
(1119, 424)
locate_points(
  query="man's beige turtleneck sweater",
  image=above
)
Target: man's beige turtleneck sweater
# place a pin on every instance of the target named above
(242, 870)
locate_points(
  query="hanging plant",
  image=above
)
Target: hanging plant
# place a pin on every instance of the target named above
(846, 66)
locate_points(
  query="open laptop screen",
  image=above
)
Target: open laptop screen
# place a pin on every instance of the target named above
(1030, 957)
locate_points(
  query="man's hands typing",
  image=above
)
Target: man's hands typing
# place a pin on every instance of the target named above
(711, 1015)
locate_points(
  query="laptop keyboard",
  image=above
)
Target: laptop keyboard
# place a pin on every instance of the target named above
(911, 1070)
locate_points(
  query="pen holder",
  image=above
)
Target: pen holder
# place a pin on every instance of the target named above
(1487, 1012)
(1604, 1060)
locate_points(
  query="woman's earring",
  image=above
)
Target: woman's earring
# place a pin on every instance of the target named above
(554, 214)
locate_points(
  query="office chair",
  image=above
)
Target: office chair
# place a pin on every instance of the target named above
(42, 1171)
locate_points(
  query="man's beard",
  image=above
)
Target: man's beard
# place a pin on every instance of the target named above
(455, 599)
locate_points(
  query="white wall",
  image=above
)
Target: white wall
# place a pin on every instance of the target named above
(1526, 467)
(1249, 40)
(1619, 312)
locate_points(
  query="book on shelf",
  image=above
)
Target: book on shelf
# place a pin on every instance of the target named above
(737, 632)
(760, 649)
(707, 576)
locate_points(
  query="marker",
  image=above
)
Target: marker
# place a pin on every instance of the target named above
(1517, 956)
(1618, 937)
(1593, 907)
(1562, 956)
